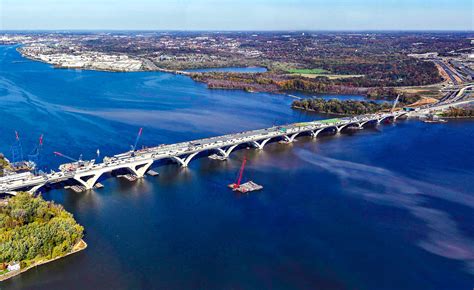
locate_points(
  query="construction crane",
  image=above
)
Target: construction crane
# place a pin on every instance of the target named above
(134, 147)
(241, 172)
(16, 149)
(395, 103)
(68, 157)
(35, 155)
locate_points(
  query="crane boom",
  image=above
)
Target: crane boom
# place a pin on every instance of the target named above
(395, 103)
(137, 139)
(241, 172)
(65, 156)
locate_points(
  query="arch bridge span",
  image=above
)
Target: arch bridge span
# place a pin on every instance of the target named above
(139, 162)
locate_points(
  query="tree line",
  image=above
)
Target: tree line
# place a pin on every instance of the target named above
(334, 106)
(459, 112)
(32, 228)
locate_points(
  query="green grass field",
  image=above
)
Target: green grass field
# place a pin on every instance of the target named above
(312, 71)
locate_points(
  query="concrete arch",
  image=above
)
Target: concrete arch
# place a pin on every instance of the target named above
(361, 124)
(226, 152)
(185, 161)
(316, 132)
(339, 129)
(90, 182)
(292, 137)
(399, 115)
(261, 144)
(36, 188)
(383, 118)
(140, 169)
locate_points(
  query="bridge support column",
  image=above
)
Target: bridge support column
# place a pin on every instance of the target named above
(140, 169)
(315, 133)
(261, 144)
(397, 116)
(361, 125)
(292, 137)
(185, 161)
(339, 129)
(35, 188)
(226, 152)
(90, 182)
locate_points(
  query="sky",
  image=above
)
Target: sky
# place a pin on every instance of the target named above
(236, 15)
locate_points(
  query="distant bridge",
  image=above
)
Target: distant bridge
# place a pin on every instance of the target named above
(87, 173)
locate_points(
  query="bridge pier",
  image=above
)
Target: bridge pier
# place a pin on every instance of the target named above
(382, 119)
(226, 152)
(339, 129)
(397, 116)
(361, 124)
(315, 133)
(261, 144)
(35, 188)
(140, 169)
(184, 161)
(90, 182)
(292, 137)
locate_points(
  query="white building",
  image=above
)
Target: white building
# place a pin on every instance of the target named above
(14, 267)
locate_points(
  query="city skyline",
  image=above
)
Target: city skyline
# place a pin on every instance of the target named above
(227, 15)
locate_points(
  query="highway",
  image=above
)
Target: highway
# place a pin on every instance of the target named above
(453, 75)
(139, 162)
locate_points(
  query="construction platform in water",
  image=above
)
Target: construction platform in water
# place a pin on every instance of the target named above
(246, 187)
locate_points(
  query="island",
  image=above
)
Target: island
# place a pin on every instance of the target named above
(34, 232)
(338, 107)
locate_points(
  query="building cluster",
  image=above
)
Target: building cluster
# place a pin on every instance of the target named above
(130, 51)
(76, 58)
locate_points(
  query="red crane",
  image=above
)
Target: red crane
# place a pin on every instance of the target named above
(241, 172)
(65, 156)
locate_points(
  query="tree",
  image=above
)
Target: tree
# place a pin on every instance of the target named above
(32, 228)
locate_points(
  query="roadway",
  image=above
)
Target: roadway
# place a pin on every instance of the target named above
(138, 162)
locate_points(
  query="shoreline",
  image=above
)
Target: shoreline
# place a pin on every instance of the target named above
(81, 245)
(164, 70)
(459, 117)
(326, 113)
(190, 74)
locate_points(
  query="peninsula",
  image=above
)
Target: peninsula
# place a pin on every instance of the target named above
(375, 64)
(34, 232)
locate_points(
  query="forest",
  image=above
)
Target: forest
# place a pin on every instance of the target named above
(4, 164)
(459, 113)
(339, 107)
(32, 229)
(274, 83)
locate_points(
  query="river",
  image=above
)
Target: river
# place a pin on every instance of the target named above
(383, 208)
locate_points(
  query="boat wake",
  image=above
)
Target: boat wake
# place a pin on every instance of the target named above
(389, 188)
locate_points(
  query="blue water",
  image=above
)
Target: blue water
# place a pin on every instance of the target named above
(383, 208)
(253, 69)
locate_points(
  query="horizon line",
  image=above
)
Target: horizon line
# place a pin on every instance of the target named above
(238, 30)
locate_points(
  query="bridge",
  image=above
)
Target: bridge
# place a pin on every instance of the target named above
(87, 173)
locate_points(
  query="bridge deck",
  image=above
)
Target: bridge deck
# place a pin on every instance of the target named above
(179, 151)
